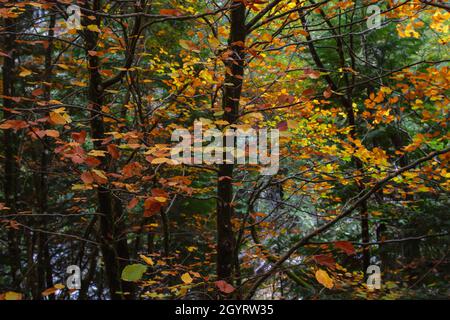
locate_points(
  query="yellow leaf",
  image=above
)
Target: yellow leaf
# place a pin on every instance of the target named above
(97, 153)
(24, 72)
(81, 187)
(186, 278)
(62, 66)
(205, 75)
(161, 199)
(324, 279)
(161, 160)
(59, 286)
(93, 27)
(78, 83)
(100, 173)
(214, 43)
(11, 295)
(147, 260)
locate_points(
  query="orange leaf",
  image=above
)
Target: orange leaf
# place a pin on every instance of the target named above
(169, 12)
(52, 133)
(56, 118)
(49, 291)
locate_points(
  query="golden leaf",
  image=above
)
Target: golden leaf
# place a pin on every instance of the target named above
(324, 279)
(147, 260)
(186, 278)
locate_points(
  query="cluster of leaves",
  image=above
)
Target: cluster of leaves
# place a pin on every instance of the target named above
(88, 178)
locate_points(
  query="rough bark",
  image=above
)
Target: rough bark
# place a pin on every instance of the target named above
(115, 254)
(230, 104)
(10, 147)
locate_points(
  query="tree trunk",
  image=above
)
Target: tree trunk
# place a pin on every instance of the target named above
(230, 105)
(10, 148)
(114, 254)
(45, 273)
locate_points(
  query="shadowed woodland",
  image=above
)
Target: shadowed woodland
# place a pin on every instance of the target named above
(357, 89)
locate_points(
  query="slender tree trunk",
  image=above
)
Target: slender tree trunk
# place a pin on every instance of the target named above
(45, 273)
(230, 104)
(10, 148)
(104, 196)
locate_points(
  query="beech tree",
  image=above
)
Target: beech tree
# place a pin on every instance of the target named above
(95, 93)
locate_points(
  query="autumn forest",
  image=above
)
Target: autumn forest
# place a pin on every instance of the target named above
(126, 172)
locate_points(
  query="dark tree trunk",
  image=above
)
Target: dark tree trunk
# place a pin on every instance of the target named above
(45, 274)
(115, 253)
(230, 104)
(10, 148)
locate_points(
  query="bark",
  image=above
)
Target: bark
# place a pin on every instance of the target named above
(115, 253)
(10, 148)
(230, 105)
(45, 274)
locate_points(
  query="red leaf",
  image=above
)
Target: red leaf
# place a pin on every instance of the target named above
(133, 203)
(345, 246)
(113, 151)
(92, 161)
(3, 54)
(224, 286)
(79, 137)
(87, 177)
(325, 260)
(151, 207)
(159, 193)
(309, 92)
(282, 126)
(37, 92)
(132, 169)
(77, 159)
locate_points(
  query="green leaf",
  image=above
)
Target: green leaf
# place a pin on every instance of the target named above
(133, 272)
(436, 145)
